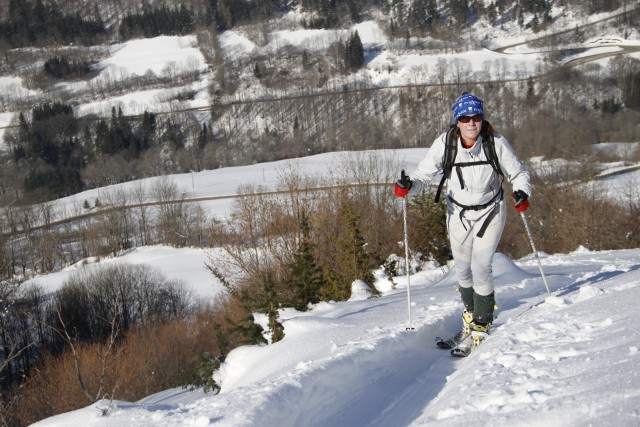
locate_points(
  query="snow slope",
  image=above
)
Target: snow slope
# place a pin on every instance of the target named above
(185, 264)
(570, 359)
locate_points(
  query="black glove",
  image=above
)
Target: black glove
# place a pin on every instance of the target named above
(404, 182)
(519, 197)
(402, 187)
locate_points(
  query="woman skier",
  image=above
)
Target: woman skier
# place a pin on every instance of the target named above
(474, 166)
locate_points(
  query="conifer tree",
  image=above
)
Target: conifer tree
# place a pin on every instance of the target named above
(267, 300)
(203, 137)
(354, 53)
(353, 260)
(306, 60)
(148, 129)
(305, 275)
(258, 71)
(277, 330)
(429, 229)
(530, 88)
(631, 94)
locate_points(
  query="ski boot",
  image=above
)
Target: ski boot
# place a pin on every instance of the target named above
(467, 322)
(479, 333)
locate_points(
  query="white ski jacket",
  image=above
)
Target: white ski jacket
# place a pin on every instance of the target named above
(481, 183)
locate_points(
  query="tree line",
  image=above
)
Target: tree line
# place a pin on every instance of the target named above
(61, 68)
(48, 143)
(36, 23)
(39, 23)
(157, 21)
(60, 151)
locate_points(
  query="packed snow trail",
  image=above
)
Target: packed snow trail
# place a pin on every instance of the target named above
(381, 366)
(560, 344)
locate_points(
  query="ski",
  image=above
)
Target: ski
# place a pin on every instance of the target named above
(464, 348)
(461, 351)
(452, 341)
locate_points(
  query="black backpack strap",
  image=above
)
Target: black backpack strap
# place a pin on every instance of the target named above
(460, 165)
(450, 151)
(495, 200)
(491, 215)
(489, 147)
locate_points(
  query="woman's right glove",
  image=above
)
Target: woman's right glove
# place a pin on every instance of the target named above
(403, 185)
(521, 200)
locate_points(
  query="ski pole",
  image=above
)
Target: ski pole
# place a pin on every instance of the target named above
(406, 251)
(535, 252)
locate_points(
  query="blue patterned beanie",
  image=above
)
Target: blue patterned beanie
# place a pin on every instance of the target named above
(467, 104)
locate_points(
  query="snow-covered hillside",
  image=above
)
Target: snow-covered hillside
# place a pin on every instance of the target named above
(551, 359)
(389, 64)
(566, 359)
(570, 359)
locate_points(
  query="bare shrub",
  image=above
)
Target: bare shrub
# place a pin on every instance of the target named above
(155, 358)
(135, 294)
(116, 224)
(565, 215)
(272, 242)
(146, 361)
(54, 387)
(178, 223)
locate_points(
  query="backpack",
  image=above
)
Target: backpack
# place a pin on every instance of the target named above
(451, 149)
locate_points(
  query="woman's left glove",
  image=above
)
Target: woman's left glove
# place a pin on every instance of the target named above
(521, 200)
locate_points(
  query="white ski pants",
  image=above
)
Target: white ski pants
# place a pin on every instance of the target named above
(473, 255)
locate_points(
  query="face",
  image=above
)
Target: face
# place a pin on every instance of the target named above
(471, 129)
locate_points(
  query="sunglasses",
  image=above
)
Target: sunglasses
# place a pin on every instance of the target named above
(467, 119)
